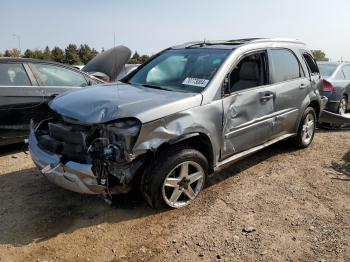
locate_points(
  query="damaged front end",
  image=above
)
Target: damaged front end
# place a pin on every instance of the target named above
(87, 158)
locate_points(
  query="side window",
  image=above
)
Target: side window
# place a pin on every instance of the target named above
(284, 65)
(340, 75)
(12, 74)
(346, 71)
(312, 66)
(249, 72)
(51, 75)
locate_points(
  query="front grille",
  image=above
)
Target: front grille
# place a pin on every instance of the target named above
(66, 140)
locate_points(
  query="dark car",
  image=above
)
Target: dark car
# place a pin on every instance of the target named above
(190, 110)
(336, 85)
(27, 85)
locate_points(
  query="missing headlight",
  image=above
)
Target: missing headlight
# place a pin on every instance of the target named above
(116, 140)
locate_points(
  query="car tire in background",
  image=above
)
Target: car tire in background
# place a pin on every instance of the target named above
(176, 177)
(306, 130)
(343, 105)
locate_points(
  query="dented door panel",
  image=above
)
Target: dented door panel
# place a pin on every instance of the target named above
(248, 119)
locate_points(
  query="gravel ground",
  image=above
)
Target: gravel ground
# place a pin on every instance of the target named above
(277, 205)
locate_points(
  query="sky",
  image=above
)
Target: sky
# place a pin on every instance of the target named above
(151, 25)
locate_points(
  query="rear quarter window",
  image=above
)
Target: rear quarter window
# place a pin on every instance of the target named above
(311, 64)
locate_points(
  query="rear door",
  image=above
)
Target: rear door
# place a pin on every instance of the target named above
(291, 86)
(249, 105)
(20, 100)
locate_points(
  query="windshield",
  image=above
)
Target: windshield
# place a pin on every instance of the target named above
(327, 69)
(184, 70)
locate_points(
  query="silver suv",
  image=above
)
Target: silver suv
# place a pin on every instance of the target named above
(187, 112)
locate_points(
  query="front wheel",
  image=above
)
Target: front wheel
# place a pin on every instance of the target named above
(306, 129)
(176, 178)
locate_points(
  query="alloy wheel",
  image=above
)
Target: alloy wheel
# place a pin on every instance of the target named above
(183, 183)
(308, 128)
(342, 106)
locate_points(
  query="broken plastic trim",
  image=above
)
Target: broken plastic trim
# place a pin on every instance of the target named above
(333, 118)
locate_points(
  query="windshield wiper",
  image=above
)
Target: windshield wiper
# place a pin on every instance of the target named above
(155, 87)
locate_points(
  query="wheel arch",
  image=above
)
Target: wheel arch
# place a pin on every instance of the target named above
(316, 106)
(197, 140)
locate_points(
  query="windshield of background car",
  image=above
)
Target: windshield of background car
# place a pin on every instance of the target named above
(327, 69)
(183, 70)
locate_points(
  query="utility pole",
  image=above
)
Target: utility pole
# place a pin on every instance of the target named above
(113, 39)
(19, 41)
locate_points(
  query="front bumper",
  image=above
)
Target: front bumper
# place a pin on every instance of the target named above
(73, 176)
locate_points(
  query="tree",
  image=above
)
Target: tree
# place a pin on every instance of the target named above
(46, 55)
(38, 54)
(143, 59)
(319, 55)
(28, 54)
(12, 53)
(71, 55)
(57, 54)
(86, 53)
(135, 59)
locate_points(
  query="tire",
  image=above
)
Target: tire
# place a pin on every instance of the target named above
(166, 177)
(301, 140)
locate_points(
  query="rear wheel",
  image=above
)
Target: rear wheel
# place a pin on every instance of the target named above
(176, 178)
(343, 106)
(306, 129)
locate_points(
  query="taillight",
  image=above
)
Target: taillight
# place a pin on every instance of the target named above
(328, 87)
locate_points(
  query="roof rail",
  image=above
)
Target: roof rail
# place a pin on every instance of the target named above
(287, 40)
(217, 42)
(236, 42)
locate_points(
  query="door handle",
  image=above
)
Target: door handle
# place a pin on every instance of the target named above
(267, 96)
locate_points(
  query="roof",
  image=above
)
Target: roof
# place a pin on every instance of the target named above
(231, 44)
(33, 60)
(28, 60)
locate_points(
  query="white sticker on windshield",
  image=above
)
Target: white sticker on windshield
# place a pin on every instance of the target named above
(195, 82)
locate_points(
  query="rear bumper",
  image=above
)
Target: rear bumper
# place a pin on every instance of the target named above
(73, 176)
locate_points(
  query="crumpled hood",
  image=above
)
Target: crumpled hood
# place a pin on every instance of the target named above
(104, 103)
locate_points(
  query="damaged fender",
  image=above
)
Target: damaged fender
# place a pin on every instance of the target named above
(181, 126)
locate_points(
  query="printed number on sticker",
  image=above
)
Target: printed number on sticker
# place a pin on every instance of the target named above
(195, 82)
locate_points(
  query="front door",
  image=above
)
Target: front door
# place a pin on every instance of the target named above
(249, 105)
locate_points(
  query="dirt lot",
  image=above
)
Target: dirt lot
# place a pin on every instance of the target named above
(298, 202)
